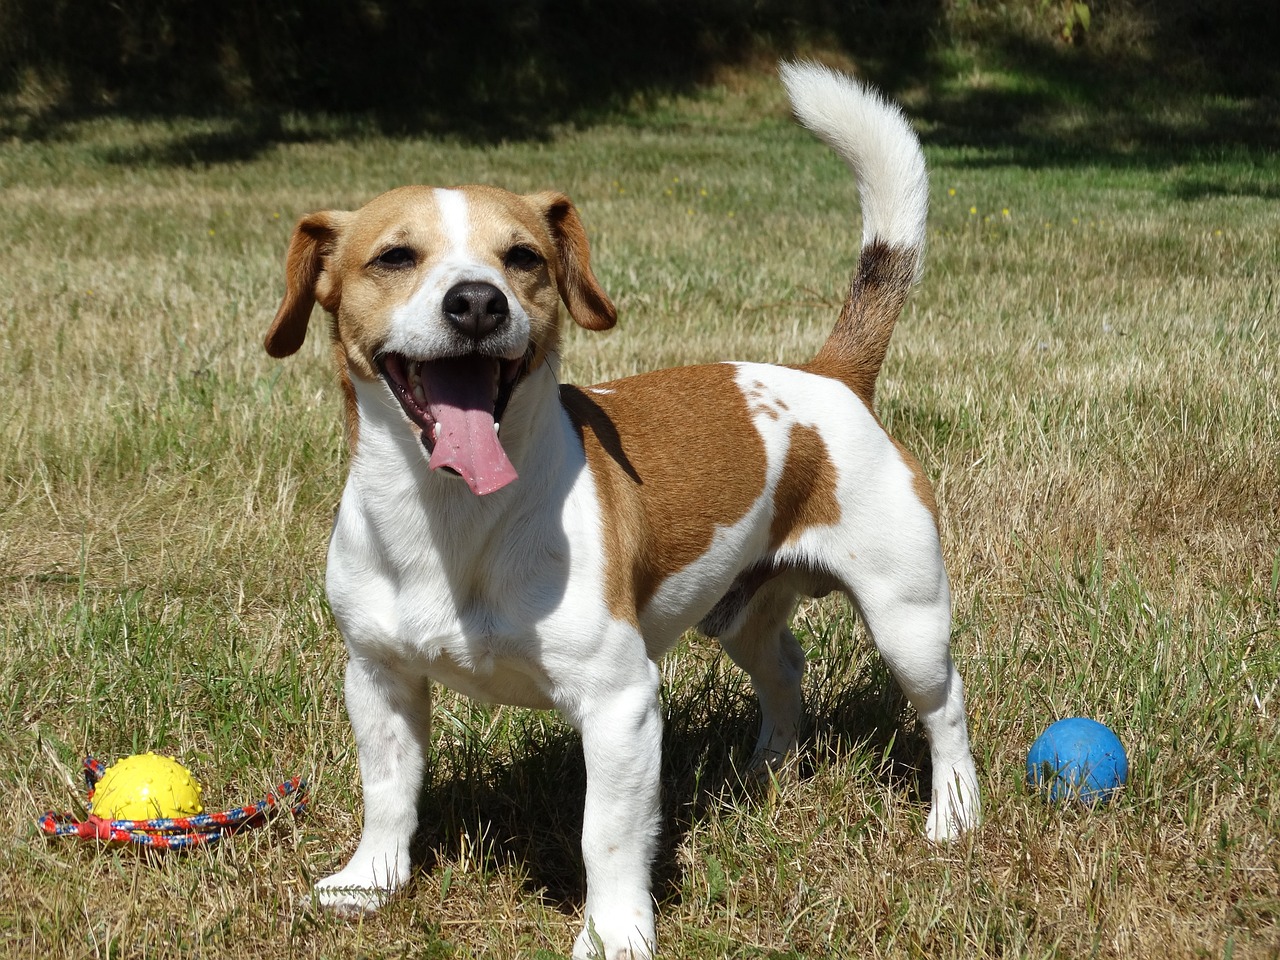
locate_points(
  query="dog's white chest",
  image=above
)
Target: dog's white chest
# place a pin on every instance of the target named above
(464, 590)
(474, 631)
(472, 636)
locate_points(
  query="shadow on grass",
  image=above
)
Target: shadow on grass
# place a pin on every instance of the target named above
(1200, 189)
(526, 809)
(479, 70)
(1040, 103)
(1149, 83)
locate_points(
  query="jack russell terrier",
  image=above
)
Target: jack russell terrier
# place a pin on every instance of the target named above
(550, 564)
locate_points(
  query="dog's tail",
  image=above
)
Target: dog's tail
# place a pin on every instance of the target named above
(873, 137)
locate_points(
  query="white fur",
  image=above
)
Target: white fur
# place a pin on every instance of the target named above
(503, 596)
(872, 136)
(454, 221)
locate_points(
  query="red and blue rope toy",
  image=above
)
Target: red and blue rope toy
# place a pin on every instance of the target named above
(172, 833)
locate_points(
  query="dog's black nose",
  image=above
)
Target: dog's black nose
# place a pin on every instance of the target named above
(475, 309)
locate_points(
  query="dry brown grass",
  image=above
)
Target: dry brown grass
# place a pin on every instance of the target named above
(1094, 399)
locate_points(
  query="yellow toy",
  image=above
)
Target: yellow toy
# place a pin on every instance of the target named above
(154, 801)
(146, 786)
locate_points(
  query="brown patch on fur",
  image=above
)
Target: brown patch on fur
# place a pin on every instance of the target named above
(920, 483)
(350, 408)
(859, 341)
(674, 455)
(806, 494)
(805, 497)
(310, 246)
(588, 304)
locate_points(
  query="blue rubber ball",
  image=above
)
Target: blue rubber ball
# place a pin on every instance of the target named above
(1077, 758)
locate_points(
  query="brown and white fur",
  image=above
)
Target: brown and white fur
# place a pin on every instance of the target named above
(552, 567)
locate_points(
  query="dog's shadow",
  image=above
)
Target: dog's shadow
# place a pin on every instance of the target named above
(522, 807)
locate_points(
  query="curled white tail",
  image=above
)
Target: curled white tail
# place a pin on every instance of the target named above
(872, 136)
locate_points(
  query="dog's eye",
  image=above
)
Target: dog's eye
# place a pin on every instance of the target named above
(396, 258)
(521, 257)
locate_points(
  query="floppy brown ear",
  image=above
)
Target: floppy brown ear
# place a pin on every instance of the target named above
(588, 304)
(311, 243)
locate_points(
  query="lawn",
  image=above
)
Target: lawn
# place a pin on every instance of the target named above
(1087, 372)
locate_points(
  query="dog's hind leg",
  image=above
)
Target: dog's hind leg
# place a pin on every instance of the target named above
(899, 585)
(759, 640)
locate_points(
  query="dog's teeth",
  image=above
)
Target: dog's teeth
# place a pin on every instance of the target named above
(436, 431)
(495, 426)
(419, 394)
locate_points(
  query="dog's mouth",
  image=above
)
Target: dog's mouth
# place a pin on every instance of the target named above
(458, 403)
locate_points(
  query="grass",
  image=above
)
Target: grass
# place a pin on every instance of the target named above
(1087, 373)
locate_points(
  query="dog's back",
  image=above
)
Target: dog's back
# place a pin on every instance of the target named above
(692, 459)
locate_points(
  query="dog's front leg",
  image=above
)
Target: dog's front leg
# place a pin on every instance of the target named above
(622, 742)
(391, 717)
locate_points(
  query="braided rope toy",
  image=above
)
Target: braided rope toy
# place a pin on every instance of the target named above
(166, 787)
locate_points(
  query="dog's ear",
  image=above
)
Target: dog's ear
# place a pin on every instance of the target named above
(588, 304)
(305, 280)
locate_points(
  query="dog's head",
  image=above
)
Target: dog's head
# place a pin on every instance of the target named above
(449, 296)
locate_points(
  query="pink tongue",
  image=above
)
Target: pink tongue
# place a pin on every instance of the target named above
(460, 399)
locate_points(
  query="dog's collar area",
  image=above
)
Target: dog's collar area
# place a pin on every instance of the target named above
(457, 403)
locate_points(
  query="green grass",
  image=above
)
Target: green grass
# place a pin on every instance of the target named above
(1089, 379)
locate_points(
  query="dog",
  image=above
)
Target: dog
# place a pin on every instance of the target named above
(538, 544)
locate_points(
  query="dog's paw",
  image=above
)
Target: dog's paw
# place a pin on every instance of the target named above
(766, 764)
(628, 936)
(349, 896)
(956, 809)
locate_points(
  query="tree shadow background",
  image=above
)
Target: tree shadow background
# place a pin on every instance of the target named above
(479, 69)
(489, 70)
(1162, 81)
(526, 804)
